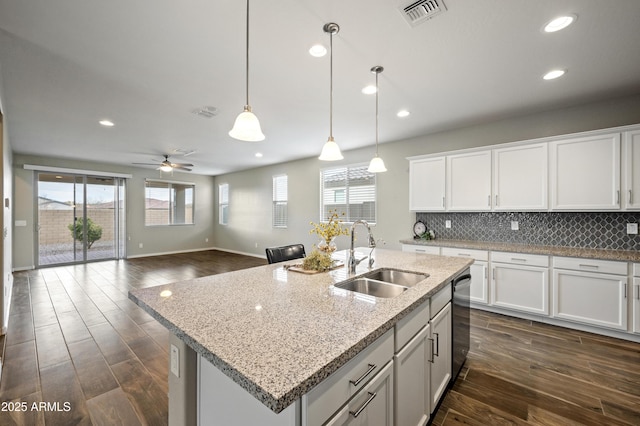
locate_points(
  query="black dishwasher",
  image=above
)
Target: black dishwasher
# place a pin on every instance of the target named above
(461, 286)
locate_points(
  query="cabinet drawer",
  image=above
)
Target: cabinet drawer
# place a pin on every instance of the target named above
(440, 300)
(590, 265)
(520, 258)
(339, 387)
(411, 324)
(481, 255)
(415, 248)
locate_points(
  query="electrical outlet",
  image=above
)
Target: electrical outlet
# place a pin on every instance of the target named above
(514, 225)
(175, 361)
(447, 224)
(632, 228)
(140, 245)
(206, 240)
(256, 245)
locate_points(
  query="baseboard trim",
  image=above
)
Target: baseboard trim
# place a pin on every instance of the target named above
(24, 268)
(259, 256)
(136, 256)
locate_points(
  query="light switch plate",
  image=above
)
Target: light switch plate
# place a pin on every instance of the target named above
(175, 361)
(632, 228)
(447, 224)
(514, 225)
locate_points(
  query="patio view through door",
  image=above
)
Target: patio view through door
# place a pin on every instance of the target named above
(80, 218)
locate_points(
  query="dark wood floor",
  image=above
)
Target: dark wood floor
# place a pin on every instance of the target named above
(74, 337)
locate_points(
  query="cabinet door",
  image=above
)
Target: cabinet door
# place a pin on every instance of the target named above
(631, 164)
(522, 288)
(412, 400)
(520, 178)
(372, 406)
(427, 184)
(441, 354)
(589, 298)
(469, 181)
(636, 305)
(479, 282)
(585, 173)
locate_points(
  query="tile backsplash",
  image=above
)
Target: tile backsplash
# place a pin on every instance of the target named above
(591, 230)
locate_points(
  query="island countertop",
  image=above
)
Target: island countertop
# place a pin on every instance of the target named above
(278, 333)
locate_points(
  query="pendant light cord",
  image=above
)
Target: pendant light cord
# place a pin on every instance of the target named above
(377, 113)
(331, 85)
(247, 58)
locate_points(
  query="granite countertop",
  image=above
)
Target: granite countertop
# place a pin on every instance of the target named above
(588, 253)
(278, 333)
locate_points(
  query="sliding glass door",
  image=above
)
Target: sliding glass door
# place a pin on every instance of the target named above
(80, 218)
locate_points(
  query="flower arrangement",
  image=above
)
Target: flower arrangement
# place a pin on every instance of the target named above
(329, 230)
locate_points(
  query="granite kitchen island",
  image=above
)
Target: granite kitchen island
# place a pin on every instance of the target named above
(272, 335)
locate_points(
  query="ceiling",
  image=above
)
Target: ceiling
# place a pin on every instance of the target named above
(146, 65)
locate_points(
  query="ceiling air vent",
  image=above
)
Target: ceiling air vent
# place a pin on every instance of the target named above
(205, 111)
(420, 11)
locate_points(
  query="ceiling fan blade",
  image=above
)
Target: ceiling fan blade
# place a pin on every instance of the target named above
(182, 168)
(181, 165)
(146, 164)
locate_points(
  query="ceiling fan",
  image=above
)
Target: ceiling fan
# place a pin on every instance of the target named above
(167, 166)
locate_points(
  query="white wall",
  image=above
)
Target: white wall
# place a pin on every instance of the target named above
(250, 190)
(155, 240)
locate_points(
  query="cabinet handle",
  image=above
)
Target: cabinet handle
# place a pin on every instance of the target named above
(493, 274)
(630, 196)
(464, 254)
(586, 265)
(497, 204)
(361, 378)
(518, 259)
(432, 354)
(625, 291)
(367, 402)
(638, 292)
(442, 201)
(421, 251)
(486, 273)
(489, 200)
(437, 353)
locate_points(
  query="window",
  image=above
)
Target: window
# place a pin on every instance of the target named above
(279, 213)
(168, 203)
(223, 203)
(348, 189)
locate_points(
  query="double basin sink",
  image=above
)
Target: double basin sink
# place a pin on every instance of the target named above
(385, 282)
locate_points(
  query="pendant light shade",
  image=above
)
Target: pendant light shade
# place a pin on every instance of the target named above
(376, 165)
(247, 126)
(331, 150)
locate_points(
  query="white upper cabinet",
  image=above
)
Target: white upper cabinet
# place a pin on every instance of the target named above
(631, 169)
(585, 173)
(427, 184)
(520, 178)
(469, 181)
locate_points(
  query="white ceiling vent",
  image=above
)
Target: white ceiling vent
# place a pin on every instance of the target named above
(420, 11)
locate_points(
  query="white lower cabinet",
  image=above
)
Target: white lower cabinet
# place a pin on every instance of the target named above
(520, 282)
(412, 376)
(636, 305)
(479, 271)
(592, 292)
(441, 328)
(372, 405)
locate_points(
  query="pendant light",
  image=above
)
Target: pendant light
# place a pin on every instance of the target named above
(247, 126)
(331, 150)
(376, 165)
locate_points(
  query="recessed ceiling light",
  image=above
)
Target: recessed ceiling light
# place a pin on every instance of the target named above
(258, 155)
(369, 90)
(559, 23)
(318, 50)
(553, 74)
(403, 113)
(106, 123)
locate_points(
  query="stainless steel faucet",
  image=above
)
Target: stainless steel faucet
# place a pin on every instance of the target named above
(351, 261)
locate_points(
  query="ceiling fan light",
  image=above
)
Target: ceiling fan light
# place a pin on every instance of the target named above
(330, 151)
(376, 165)
(247, 127)
(166, 168)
